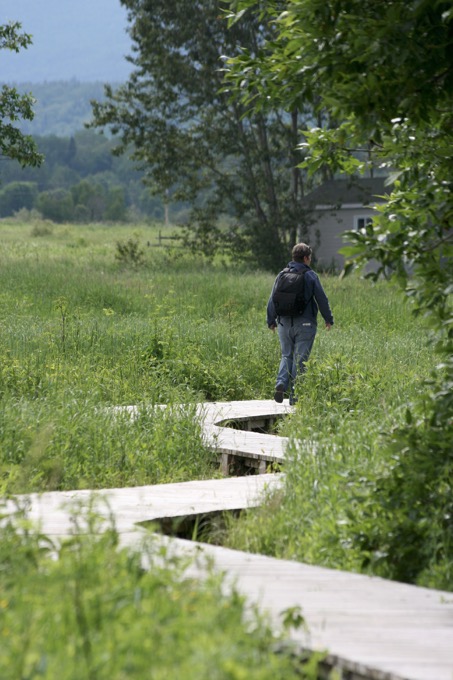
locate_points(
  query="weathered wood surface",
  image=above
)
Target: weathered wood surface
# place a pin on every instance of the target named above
(375, 628)
(241, 442)
(256, 449)
(132, 505)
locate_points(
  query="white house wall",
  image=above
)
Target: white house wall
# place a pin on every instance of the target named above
(327, 229)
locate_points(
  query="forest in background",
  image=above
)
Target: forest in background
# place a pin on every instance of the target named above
(80, 179)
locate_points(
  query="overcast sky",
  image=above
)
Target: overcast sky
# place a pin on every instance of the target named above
(82, 39)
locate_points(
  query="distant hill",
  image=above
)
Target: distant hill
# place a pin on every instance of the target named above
(84, 40)
(61, 108)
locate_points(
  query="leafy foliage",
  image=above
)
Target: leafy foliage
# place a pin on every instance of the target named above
(385, 71)
(14, 106)
(401, 539)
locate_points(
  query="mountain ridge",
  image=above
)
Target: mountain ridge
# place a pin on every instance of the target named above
(62, 107)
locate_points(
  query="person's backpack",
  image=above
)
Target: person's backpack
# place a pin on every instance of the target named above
(288, 293)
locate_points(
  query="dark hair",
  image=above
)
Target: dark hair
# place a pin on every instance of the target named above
(300, 251)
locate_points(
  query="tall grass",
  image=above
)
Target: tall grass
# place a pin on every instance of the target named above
(79, 331)
(95, 614)
(82, 332)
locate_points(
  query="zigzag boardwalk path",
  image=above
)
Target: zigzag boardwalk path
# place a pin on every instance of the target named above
(371, 628)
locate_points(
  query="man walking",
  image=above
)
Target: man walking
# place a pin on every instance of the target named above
(296, 322)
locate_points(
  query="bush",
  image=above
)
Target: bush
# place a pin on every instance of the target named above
(41, 229)
(129, 253)
(406, 532)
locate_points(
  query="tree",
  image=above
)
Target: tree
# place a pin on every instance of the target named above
(14, 106)
(56, 205)
(17, 195)
(194, 143)
(385, 70)
(92, 196)
(115, 210)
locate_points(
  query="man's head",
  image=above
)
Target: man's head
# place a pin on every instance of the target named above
(300, 252)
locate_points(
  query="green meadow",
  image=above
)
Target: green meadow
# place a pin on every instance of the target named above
(93, 317)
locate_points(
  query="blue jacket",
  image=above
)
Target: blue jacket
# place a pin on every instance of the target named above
(314, 294)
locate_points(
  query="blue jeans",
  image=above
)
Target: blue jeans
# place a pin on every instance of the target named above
(296, 336)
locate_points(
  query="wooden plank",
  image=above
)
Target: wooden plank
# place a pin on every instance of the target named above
(266, 448)
(376, 628)
(243, 443)
(133, 505)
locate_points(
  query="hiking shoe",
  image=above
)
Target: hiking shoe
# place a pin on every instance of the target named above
(279, 392)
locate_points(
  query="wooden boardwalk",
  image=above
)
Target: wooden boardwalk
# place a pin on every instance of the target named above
(371, 628)
(133, 505)
(247, 442)
(237, 430)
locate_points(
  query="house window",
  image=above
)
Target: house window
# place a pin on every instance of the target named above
(360, 221)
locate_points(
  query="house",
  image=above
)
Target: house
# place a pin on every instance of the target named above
(339, 205)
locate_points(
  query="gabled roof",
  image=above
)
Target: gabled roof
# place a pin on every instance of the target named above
(338, 192)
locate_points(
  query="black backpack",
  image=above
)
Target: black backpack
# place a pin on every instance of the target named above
(288, 293)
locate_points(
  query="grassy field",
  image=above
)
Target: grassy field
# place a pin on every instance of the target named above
(84, 329)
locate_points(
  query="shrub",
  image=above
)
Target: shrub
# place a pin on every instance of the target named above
(129, 252)
(406, 532)
(41, 229)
